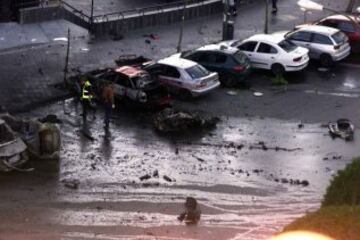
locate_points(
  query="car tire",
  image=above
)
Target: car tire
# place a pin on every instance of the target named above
(326, 60)
(277, 69)
(229, 81)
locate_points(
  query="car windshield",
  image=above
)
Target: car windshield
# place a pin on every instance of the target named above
(240, 57)
(287, 45)
(197, 71)
(339, 37)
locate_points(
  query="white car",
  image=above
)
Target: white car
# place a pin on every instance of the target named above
(326, 44)
(185, 77)
(273, 52)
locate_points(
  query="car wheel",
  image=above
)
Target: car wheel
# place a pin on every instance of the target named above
(185, 94)
(277, 69)
(229, 81)
(326, 60)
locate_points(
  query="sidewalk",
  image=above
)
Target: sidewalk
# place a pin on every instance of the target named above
(32, 62)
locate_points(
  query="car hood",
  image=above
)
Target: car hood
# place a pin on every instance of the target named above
(228, 43)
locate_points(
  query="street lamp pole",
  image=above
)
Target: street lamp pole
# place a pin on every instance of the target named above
(92, 16)
(178, 48)
(228, 23)
(266, 27)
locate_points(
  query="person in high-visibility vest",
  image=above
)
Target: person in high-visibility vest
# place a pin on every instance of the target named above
(86, 96)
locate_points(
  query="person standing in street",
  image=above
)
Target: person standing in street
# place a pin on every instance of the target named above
(232, 7)
(109, 104)
(274, 6)
(86, 97)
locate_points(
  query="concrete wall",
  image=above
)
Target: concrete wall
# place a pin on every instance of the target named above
(117, 25)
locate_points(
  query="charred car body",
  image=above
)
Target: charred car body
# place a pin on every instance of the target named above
(130, 83)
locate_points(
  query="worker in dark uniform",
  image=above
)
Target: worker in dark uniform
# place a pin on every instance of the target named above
(109, 104)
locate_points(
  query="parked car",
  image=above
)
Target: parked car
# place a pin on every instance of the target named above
(326, 44)
(350, 28)
(12, 149)
(132, 83)
(184, 77)
(273, 52)
(232, 65)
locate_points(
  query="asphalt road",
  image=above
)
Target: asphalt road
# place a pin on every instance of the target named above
(236, 187)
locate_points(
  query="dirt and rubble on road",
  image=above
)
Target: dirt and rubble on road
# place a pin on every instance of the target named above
(171, 120)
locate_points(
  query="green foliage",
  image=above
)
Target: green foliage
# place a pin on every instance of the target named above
(340, 223)
(279, 80)
(345, 187)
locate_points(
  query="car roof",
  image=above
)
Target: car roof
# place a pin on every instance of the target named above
(320, 29)
(342, 17)
(131, 71)
(218, 48)
(269, 38)
(177, 62)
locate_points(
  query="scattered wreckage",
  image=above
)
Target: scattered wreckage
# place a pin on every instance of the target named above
(342, 128)
(12, 149)
(173, 121)
(24, 140)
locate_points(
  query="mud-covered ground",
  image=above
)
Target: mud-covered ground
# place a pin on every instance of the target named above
(240, 172)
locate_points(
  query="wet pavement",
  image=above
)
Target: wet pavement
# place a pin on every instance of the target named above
(240, 173)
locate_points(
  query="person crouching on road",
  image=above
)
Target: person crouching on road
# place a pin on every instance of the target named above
(192, 212)
(86, 97)
(109, 104)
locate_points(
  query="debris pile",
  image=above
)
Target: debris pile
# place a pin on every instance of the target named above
(172, 121)
(342, 128)
(21, 140)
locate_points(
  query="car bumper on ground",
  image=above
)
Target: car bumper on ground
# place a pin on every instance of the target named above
(203, 91)
(294, 68)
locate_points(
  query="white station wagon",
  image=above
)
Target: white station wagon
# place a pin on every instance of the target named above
(273, 52)
(326, 44)
(184, 77)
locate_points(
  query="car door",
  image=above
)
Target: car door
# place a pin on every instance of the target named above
(171, 77)
(301, 38)
(124, 87)
(319, 44)
(249, 48)
(265, 55)
(217, 62)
